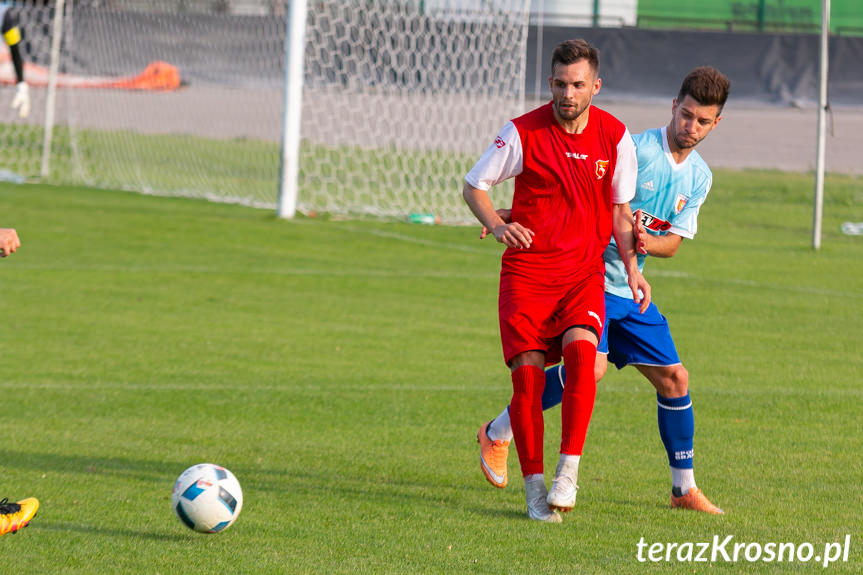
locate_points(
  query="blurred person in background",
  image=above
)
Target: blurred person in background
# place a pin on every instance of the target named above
(12, 36)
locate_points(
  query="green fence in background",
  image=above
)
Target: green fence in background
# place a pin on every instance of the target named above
(846, 16)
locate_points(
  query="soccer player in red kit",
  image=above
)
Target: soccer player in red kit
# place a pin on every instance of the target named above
(575, 169)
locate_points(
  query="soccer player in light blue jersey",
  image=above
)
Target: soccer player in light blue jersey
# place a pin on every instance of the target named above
(673, 182)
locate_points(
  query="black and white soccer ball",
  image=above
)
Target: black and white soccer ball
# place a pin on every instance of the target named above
(207, 498)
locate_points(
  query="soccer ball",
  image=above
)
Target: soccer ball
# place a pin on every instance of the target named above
(207, 498)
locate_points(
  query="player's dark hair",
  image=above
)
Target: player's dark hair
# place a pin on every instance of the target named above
(571, 51)
(707, 86)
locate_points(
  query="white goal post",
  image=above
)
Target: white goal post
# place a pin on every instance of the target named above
(400, 98)
(188, 98)
(169, 97)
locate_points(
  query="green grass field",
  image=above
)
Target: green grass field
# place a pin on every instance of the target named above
(341, 370)
(332, 179)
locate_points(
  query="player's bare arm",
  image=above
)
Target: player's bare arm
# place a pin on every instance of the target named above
(504, 213)
(640, 233)
(624, 237)
(663, 246)
(657, 246)
(9, 241)
(511, 234)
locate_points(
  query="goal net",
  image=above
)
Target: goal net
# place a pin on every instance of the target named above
(186, 97)
(401, 99)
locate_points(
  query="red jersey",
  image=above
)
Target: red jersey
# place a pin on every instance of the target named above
(565, 185)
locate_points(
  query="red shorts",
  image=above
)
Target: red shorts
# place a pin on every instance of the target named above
(533, 317)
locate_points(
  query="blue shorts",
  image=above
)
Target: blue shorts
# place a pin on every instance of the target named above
(630, 337)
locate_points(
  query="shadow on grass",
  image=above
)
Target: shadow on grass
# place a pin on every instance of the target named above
(389, 491)
(67, 527)
(138, 469)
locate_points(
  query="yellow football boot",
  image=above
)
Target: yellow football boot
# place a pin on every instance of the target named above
(14, 516)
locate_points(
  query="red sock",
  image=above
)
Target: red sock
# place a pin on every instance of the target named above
(525, 414)
(579, 394)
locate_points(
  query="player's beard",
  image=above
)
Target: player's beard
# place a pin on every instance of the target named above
(570, 114)
(685, 142)
(682, 140)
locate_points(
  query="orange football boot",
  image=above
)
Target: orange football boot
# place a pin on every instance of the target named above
(492, 457)
(696, 501)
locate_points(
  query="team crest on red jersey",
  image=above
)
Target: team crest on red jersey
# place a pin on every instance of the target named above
(601, 168)
(499, 142)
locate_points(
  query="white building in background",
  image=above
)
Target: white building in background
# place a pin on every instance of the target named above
(251, 7)
(611, 13)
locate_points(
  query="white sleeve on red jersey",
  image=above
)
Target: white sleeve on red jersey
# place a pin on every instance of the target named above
(626, 170)
(502, 160)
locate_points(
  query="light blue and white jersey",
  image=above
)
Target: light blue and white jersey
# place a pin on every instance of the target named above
(668, 194)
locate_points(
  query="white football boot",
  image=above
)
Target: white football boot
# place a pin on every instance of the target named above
(537, 508)
(564, 487)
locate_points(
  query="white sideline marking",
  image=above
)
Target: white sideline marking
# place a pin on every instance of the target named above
(299, 272)
(365, 389)
(658, 273)
(756, 284)
(413, 240)
(426, 273)
(291, 388)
